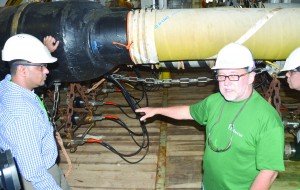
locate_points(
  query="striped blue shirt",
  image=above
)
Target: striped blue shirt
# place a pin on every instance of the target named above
(26, 130)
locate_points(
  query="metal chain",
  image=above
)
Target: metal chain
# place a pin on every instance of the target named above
(183, 82)
(70, 111)
(55, 103)
(81, 92)
(274, 88)
(70, 99)
(277, 98)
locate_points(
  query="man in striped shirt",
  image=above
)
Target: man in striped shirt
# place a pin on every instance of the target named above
(24, 127)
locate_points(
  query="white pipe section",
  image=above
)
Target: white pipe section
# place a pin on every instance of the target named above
(198, 34)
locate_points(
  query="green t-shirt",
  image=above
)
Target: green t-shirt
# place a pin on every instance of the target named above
(257, 142)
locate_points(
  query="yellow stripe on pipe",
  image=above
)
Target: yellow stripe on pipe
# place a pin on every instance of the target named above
(13, 2)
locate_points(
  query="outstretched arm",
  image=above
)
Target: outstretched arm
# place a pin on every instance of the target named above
(176, 112)
(264, 180)
(51, 43)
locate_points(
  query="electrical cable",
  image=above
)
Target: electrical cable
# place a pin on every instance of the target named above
(136, 100)
(123, 156)
(133, 105)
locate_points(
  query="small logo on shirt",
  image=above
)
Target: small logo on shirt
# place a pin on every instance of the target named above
(231, 128)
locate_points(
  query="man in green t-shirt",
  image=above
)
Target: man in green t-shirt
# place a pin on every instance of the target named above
(244, 133)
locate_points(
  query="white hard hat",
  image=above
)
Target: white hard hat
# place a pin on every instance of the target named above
(26, 47)
(234, 56)
(293, 61)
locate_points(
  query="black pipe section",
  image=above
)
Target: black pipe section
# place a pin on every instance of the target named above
(86, 31)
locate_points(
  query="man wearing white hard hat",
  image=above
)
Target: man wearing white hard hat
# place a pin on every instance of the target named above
(244, 133)
(292, 69)
(25, 128)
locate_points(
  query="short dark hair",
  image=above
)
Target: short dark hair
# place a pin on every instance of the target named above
(13, 65)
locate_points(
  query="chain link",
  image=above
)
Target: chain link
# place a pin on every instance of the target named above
(277, 98)
(70, 111)
(274, 88)
(183, 82)
(55, 103)
(69, 124)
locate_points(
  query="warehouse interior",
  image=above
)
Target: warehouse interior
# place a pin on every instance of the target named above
(92, 94)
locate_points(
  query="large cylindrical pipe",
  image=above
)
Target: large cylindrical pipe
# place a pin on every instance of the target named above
(197, 34)
(95, 39)
(86, 31)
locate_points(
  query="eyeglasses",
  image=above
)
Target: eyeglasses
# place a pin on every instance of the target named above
(41, 65)
(221, 78)
(295, 70)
